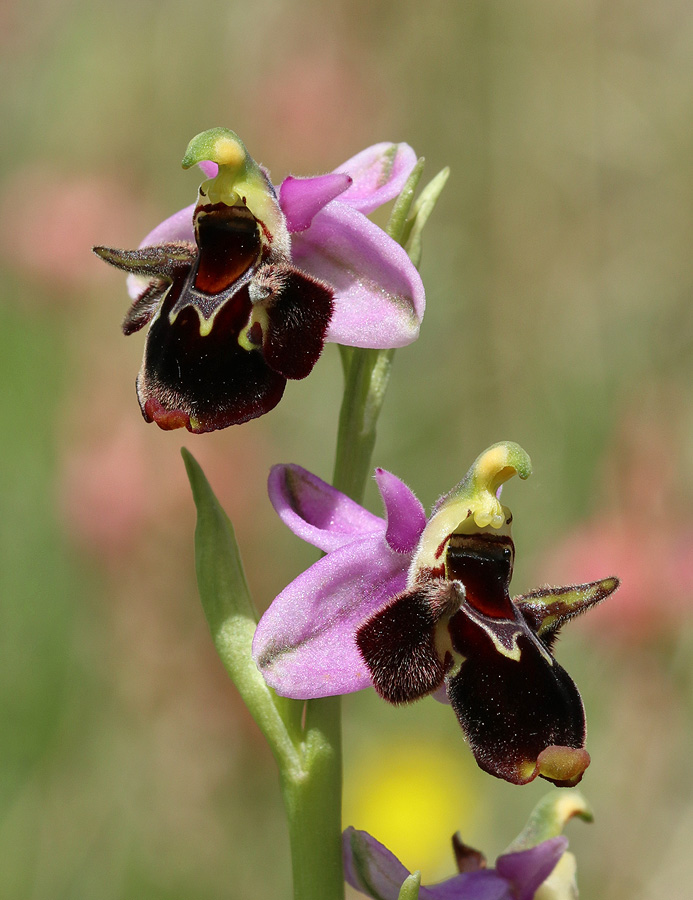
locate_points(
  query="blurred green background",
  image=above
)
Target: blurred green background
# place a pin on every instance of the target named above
(559, 276)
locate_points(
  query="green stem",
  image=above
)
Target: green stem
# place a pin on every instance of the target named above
(366, 375)
(313, 805)
(314, 801)
(306, 739)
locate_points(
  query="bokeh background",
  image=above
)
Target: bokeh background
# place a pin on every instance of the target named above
(559, 277)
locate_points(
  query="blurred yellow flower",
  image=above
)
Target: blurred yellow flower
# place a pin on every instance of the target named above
(414, 797)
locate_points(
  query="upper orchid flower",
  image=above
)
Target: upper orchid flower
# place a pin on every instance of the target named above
(241, 290)
(409, 606)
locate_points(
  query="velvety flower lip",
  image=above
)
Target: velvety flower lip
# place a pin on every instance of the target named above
(414, 606)
(242, 289)
(371, 868)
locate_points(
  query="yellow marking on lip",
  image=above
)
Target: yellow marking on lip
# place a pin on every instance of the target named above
(245, 341)
(206, 325)
(258, 315)
(513, 652)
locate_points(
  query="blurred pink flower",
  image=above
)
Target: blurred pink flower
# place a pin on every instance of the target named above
(642, 529)
(121, 488)
(336, 98)
(48, 241)
(104, 489)
(655, 567)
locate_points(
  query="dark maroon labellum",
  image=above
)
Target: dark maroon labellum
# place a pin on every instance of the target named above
(228, 325)
(520, 711)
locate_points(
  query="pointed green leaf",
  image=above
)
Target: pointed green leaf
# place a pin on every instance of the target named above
(398, 227)
(232, 618)
(223, 588)
(422, 210)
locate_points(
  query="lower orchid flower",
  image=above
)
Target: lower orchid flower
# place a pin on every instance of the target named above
(374, 871)
(241, 290)
(413, 607)
(521, 872)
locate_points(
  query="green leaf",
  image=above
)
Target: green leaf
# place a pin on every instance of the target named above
(221, 580)
(422, 210)
(398, 227)
(232, 618)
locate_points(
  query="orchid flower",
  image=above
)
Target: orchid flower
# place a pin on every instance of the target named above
(414, 606)
(241, 290)
(535, 865)
(372, 869)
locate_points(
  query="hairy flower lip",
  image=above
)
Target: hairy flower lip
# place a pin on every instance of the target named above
(372, 612)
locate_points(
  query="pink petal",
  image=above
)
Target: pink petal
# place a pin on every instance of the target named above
(379, 173)
(305, 643)
(210, 169)
(301, 199)
(316, 512)
(178, 227)
(379, 295)
(406, 518)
